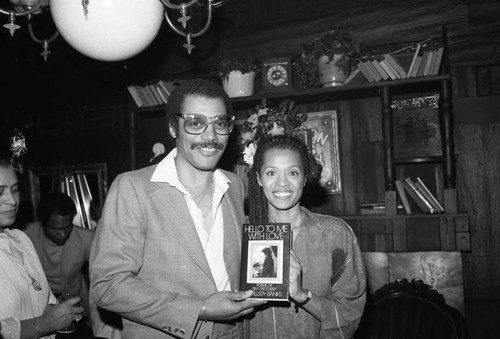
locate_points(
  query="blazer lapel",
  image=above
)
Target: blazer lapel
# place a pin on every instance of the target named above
(170, 202)
(232, 240)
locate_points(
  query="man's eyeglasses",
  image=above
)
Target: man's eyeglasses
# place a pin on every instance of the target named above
(197, 123)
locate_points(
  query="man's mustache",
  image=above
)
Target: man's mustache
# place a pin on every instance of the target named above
(208, 144)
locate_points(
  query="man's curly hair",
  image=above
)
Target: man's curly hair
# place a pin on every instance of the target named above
(194, 87)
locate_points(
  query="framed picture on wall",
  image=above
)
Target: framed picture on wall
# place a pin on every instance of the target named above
(323, 140)
(321, 136)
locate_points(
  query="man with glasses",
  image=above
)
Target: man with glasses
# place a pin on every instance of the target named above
(167, 250)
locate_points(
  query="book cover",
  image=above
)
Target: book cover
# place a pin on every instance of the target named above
(385, 65)
(420, 71)
(168, 86)
(159, 90)
(439, 59)
(380, 70)
(414, 60)
(355, 78)
(416, 67)
(133, 93)
(419, 198)
(437, 205)
(373, 71)
(402, 196)
(396, 65)
(365, 72)
(265, 260)
(428, 63)
(155, 93)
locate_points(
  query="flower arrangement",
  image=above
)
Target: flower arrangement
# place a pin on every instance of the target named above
(242, 64)
(266, 122)
(305, 63)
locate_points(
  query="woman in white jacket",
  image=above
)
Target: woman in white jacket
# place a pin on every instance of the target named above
(28, 308)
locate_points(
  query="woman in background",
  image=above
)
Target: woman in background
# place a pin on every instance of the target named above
(27, 306)
(327, 273)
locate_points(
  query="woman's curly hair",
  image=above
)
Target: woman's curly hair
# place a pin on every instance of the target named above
(312, 171)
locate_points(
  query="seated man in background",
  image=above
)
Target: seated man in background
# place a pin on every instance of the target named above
(62, 247)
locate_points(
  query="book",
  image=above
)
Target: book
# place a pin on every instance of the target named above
(439, 59)
(419, 198)
(373, 71)
(428, 63)
(355, 78)
(380, 70)
(402, 196)
(168, 86)
(416, 67)
(365, 72)
(265, 260)
(161, 93)
(396, 65)
(375, 208)
(133, 93)
(414, 60)
(392, 73)
(420, 71)
(434, 201)
(156, 95)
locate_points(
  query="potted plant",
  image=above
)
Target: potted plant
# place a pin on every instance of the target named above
(237, 75)
(334, 50)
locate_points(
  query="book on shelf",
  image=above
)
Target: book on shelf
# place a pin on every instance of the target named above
(163, 96)
(380, 70)
(431, 197)
(168, 86)
(439, 59)
(377, 208)
(265, 260)
(373, 71)
(355, 78)
(414, 71)
(396, 65)
(428, 64)
(402, 196)
(156, 95)
(366, 72)
(392, 73)
(149, 96)
(414, 60)
(135, 95)
(418, 196)
(420, 71)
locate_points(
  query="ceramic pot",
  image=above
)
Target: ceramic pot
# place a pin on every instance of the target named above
(237, 84)
(329, 74)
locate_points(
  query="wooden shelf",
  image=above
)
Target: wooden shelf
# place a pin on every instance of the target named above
(411, 233)
(416, 85)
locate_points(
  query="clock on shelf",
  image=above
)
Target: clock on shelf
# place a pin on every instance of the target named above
(276, 74)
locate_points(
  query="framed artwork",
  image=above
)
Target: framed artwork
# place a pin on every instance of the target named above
(323, 140)
(321, 136)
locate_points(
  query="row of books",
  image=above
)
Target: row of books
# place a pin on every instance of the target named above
(152, 94)
(398, 66)
(420, 194)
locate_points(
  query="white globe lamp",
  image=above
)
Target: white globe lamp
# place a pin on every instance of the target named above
(108, 30)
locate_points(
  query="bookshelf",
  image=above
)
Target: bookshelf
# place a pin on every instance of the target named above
(391, 231)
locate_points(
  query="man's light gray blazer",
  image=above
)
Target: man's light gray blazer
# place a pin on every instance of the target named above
(147, 263)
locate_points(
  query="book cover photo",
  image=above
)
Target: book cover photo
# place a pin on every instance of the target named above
(265, 260)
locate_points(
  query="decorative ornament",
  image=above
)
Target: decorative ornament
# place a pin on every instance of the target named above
(18, 148)
(158, 149)
(266, 122)
(109, 30)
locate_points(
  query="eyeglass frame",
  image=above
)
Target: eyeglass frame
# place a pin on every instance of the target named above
(214, 119)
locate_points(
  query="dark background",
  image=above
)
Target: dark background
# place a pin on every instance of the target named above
(76, 110)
